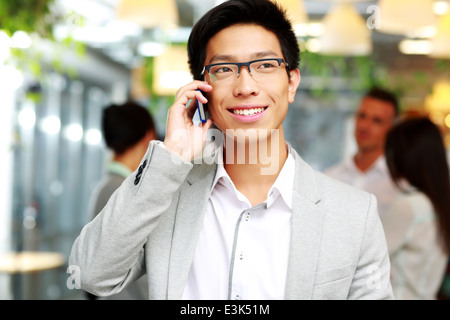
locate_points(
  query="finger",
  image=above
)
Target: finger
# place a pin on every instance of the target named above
(189, 89)
(191, 109)
(187, 102)
(192, 106)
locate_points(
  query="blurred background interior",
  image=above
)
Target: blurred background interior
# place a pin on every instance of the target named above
(62, 61)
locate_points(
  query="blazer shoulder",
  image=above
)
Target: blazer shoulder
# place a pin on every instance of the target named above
(330, 183)
(319, 186)
(335, 197)
(338, 193)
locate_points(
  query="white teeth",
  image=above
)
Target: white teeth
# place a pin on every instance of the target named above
(248, 112)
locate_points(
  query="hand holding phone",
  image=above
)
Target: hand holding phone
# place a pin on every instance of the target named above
(185, 138)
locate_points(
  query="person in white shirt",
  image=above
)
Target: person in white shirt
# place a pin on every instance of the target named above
(366, 169)
(418, 225)
(232, 211)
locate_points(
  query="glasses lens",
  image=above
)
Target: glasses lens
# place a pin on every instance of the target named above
(264, 67)
(223, 72)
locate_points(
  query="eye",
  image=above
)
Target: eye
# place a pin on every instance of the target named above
(378, 121)
(267, 65)
(221, 69)
(361, 116)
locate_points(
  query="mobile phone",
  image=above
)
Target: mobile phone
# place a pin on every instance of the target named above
(201, 111)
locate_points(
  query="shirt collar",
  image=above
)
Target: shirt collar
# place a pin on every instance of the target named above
(221, 172)
(283, 184)
(118, 168)
(378, 166)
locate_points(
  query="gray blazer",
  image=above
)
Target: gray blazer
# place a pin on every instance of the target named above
(152, 222)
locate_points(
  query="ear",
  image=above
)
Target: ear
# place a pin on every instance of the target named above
(294, 82)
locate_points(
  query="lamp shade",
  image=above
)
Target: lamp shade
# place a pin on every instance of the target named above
(148, 13)
(345, 32)
(403, 17)
(295, 10)
(439, 100)
(441, 42)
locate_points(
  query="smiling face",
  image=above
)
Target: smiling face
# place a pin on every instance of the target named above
(246, 103)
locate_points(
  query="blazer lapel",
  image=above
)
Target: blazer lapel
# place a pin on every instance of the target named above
(306, 230)
(194, 196)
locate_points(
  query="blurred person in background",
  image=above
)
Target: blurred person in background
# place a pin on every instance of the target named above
(417, 226)
(127, 130)
(367, 169)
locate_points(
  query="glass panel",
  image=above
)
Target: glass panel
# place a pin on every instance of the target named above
(56, 167)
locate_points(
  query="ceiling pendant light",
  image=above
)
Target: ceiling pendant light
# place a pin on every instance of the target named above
(438, 102)
(345, 32)
(149, 13)
(405, 17)
(441, 42)
(295, 10)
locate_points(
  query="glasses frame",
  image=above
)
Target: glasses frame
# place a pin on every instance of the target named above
(244, 64)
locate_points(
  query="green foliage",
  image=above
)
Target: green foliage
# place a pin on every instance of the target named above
(148, 82)
(155, 100)
(26, 15)
(442, 66)
(37, 19)
(360, 73)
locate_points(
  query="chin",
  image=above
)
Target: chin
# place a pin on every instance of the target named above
(247, 135)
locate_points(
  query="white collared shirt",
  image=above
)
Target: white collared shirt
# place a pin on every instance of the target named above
(243, 250)
(376, 180)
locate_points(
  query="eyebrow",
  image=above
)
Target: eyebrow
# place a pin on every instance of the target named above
(230, 58)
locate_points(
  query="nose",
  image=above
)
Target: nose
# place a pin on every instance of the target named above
(245, 84)
(246, 67)
(363, 125)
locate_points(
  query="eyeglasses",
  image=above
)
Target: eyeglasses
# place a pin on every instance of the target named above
(260, 70)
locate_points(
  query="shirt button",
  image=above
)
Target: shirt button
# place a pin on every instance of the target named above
(237, 297)
(241, 256)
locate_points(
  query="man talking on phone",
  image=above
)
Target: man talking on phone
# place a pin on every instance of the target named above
(247, 219)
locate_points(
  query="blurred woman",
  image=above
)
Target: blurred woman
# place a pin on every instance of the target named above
(418, 225)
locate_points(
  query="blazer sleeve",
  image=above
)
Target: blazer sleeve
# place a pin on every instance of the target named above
(372, 276)
(109, 250)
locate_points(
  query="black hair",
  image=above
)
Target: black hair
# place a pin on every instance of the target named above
(415, 151)
(263, 13)
(123, 125)
(384, 95)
